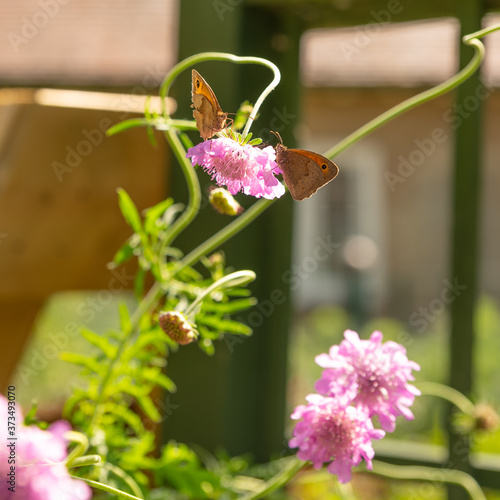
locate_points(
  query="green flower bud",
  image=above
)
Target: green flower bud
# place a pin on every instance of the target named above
(224, 202)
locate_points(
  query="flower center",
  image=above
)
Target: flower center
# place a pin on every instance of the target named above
(334, 431)
(372, 378)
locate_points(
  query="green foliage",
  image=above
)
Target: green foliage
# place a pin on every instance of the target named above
(242, 115)
(117, 408)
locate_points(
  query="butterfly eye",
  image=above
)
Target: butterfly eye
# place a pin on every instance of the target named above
(198, 84)
(324, 166)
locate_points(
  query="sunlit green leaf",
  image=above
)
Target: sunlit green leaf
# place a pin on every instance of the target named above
(139, 282)
(87, 362)
(129, 210)
(229, 307)
(124, 319)
(255, 142)
(100, 342)
(124, 253)
(226, 325)
(151, 215)
(125, 125)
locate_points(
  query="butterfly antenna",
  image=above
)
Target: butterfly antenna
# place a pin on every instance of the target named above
(277, 134)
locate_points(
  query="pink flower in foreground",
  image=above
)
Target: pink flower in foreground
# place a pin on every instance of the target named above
(334, 433)
(243, 168)
(371, 375)
(38, 459)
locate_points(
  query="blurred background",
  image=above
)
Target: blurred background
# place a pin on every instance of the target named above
(381, 247)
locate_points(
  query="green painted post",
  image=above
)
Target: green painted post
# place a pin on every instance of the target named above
(236, 399)
(464, 242)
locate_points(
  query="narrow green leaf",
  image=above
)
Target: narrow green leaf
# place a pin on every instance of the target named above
(151, 215)
(100, 342)
(124, 253)
(144, 402)
(238, 292)
(129, 210)
(154, 374)
(155, 338)
(87, 362)
(151, 136)
(166, 382)
(30, 417)
(75, 399)
(247, 138)
(128, 416)
(139, 281)
(229, 307)
(255, 142)
(207, 346)
(227, 325)
(125, 324)
(206, 333)
(171, 213)
(125, 125)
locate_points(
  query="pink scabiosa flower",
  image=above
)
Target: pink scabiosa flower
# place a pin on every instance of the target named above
(333, 433)
(371, 375)
(240, 167)
(38, 460)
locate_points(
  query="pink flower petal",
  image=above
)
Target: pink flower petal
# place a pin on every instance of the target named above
(240, 168)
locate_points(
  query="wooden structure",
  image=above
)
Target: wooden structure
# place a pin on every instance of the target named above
(59, 219)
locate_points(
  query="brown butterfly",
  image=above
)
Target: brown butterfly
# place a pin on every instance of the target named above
(304, 172)
(209, 116)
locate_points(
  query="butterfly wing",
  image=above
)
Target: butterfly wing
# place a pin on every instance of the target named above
(304, 172)
(207, 112)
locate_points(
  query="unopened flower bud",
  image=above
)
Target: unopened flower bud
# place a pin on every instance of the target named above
(224, 202)
(486, 418)
(177, 327)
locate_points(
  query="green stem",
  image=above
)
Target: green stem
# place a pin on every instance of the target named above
(224, 234)
(449, 394)
(158, 123)
(85, 460)
(278, 481)
(414, 101)
(194, 190)
(108, 489)
(125, 478)
(82, 445)
(230, 280)
(449, 476)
